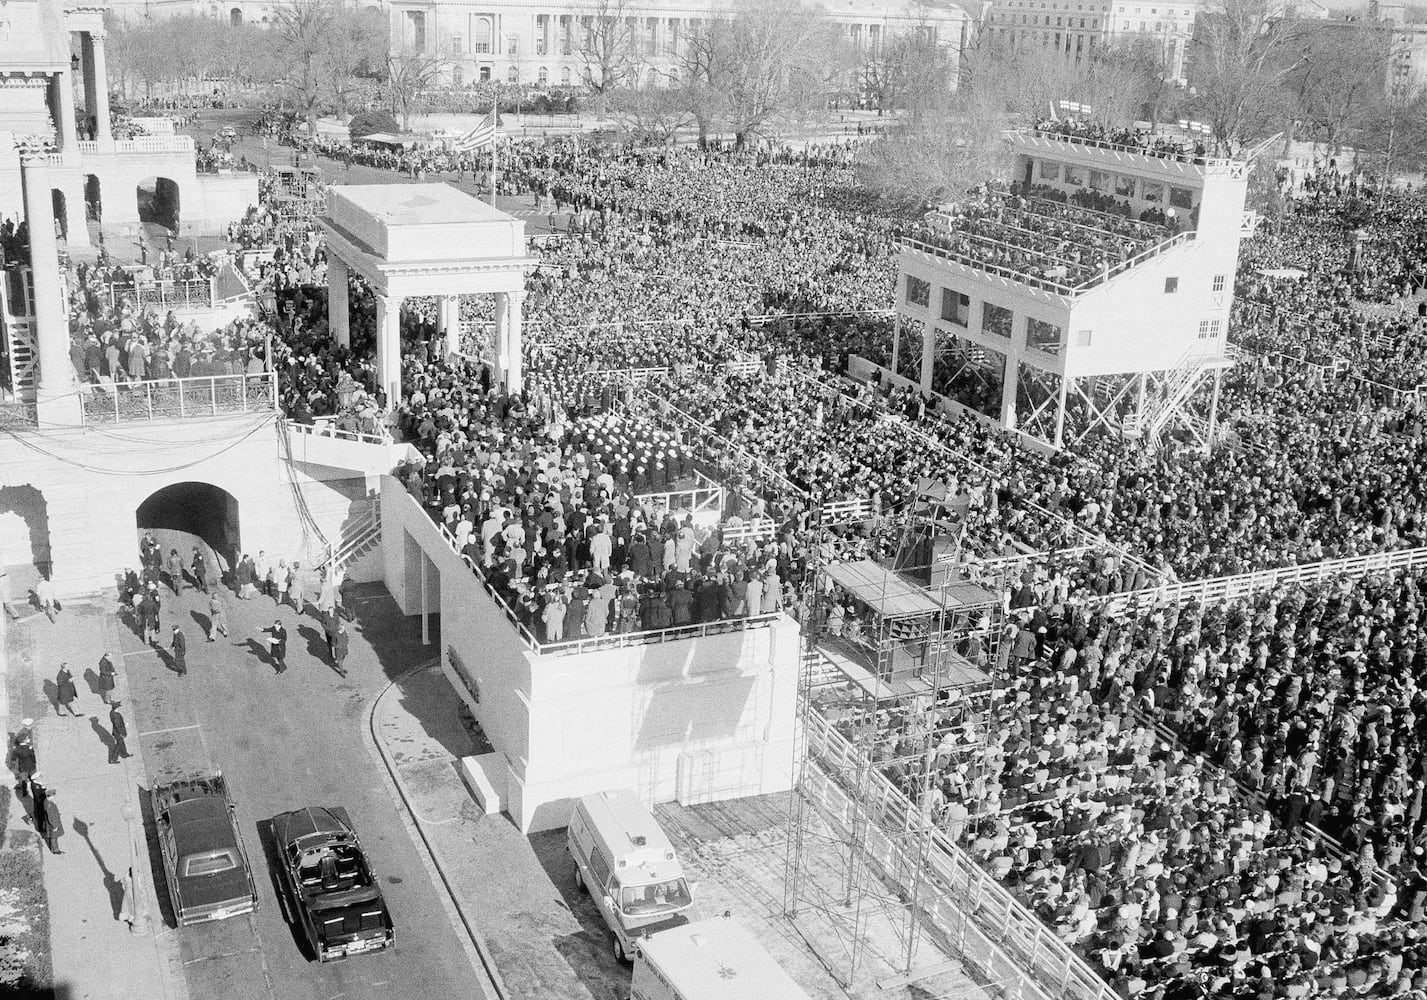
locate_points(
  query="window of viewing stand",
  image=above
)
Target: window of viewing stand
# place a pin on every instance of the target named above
(919, 292)
(1043, 336)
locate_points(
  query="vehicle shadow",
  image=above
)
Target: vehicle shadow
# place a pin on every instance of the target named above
(156, 860)
(268, 844)
(590, 953)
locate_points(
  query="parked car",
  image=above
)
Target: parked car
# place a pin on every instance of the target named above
(208, 873)
(326, 887)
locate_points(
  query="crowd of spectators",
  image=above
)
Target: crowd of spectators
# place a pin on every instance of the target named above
(1133, 139)
(1205, 800)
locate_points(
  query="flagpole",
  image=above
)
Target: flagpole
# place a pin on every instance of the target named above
(495, 145)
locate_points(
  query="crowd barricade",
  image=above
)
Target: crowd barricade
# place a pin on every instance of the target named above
(702, 502)
(1226, 588)
(1034, 962)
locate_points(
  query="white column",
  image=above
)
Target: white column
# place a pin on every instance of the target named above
(924, 379)
(508, 339)
(1008, 391)
(101, 90)
(450, 319)
(338, 309)
(57, 382)
(63, 109)
(389, 347)
(86, 69)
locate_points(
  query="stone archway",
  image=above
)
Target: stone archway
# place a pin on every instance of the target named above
(202, 510)
(158, 199)
(24, 540)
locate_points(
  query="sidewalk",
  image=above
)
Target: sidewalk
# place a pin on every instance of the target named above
(505, 892)
(94, 953)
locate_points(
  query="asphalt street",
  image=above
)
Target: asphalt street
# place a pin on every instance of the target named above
(285, 741)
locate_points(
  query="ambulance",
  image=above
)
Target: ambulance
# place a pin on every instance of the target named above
(625, 861)
(714, 959)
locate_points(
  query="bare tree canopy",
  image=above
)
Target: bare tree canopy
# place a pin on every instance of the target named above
(761, 64)
(1241, 54)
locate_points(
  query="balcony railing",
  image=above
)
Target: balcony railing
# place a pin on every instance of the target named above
(179, 398)
(1116, 147)
(141, 144)
(1047, 284)
(186, 293)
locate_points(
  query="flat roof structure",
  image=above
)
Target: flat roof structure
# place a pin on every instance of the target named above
(892, 596)
(409, 240)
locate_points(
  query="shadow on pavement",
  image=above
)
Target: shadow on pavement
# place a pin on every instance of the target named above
(104, 736)
(156, 861)
(590, 953)
(267, 843)
(112, 885)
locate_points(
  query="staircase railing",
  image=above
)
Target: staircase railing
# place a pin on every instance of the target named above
(356, 537)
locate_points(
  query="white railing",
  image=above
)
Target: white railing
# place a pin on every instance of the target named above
(705, 498)
(141, 144)
(1029, 950)
(178, 398)
(327, 427)
(356, 536)
(1245, 584)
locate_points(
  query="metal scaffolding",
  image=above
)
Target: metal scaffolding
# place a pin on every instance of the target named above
(904, 673)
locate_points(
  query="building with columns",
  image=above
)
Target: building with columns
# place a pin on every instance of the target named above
(54, 97)
(1075, 30)
(520, 42)
(235, 12)
(418, 240)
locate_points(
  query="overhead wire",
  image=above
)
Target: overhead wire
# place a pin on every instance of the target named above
(28, 440)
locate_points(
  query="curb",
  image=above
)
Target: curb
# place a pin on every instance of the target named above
(493, 977)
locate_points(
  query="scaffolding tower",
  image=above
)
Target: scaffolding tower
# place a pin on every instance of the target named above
(895, 689)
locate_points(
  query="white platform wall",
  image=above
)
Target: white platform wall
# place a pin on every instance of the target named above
(88, 484)
(693, 720)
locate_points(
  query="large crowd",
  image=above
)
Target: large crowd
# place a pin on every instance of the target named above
(1205, 799)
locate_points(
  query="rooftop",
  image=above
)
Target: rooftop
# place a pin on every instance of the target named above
(417, 204)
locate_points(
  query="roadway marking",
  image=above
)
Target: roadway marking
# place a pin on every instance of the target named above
(139, 652)
(172, 729)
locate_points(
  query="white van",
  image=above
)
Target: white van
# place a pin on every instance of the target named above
(713, 959)
(624, 859)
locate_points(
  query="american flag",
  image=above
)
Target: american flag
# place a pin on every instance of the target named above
(481, 135)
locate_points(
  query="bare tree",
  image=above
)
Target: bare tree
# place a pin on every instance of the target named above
(910, 69)
(1337, 84)
(1241, 52)
(655, 113)
(357, 53)
(409, 73)
(608, 44)
(301, 30)
(762, 64)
